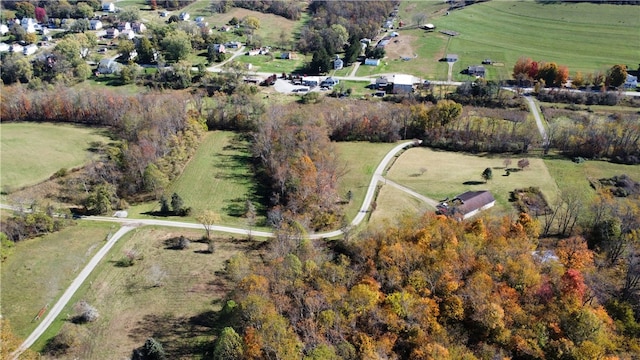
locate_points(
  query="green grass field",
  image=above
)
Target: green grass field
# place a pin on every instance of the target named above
(446, 174)
(31, 152)
(168, 294)
(392, 204)
(360, 160)
(217, 178)
(266, 63)
(39, 270)
(572, 176)
(584, 37)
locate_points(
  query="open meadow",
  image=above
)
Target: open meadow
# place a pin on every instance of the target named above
(171, 295)
(32, 152)
(359, 161)
(391, 204)
(39, 270)
(217, 178)
(440, 174)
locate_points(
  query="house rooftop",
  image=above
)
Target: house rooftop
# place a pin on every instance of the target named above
(402, 79)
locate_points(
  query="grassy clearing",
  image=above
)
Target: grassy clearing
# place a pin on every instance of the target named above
(272, 64)
(571, 176)
(507, 30)
(180, 312)
(31, 152)
(360, 160)
(217, 178)
(392, 204)
(40, 269)
(448, 174)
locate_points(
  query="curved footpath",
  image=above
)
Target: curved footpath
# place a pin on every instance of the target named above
(130, 224)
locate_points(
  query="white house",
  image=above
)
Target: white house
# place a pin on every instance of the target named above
(184, 16)
(29, 25)
(338, 63)
(138, 27)
(129, 34)
(112, 33)
(30, 49)
(108, 7)
(95, 24)
(402, 84)
(124, 25)
(4, 47)
(15, 48)
(3, 29)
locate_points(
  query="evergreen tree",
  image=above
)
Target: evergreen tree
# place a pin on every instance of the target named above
(176, 203)
(321, 61)
(353, 51)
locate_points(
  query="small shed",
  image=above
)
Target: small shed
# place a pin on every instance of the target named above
(108, 7)
(402, 84)
(372, 62)
(428, 27)
(631, 82)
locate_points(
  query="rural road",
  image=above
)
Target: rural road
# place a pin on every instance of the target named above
(130, 224)
(536, 114)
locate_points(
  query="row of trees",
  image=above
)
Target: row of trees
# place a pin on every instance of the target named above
(526, 71)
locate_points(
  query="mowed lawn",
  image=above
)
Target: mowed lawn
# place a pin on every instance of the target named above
(391, 204)
(218, 178)
(445, 175)
(31, 152)
(39, 270)
(171, 295)
(358, 161)
(584, 37)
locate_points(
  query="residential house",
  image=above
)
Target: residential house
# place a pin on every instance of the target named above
(127, 34)
(108, 7)
(4, 47)
(95, 24)
(467, 204)
(109, 66)
(184, 16)
(476, 70)
(3, 29)
(199, 19)
(29, 25)
(16, 48)
(112, 33)
(288, 55)
(30, 49)
(372, 62)
(402, 84)
(138, 27)
(232, 44)
(382, 83)
(631, 83)
(219, 48)
(338, 63)
(384, 42)
(451, 58)
(124, 25)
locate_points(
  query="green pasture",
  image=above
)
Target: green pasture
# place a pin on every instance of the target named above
(447, 174)
(32, 152)
(359, 160)
(39, 270)
(217, 178)
(572, 176)
(171, 295)
(585, 37)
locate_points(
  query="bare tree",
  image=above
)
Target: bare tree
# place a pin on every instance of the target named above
(156, 275)
(419, 18)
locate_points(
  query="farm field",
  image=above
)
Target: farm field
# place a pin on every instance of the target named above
(360, 160)
(171, 295)
(506, 30)
(21, 141)
(39, 270)
(447, 172)
(217, 178)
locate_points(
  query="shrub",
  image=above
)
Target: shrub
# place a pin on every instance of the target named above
(87, 313)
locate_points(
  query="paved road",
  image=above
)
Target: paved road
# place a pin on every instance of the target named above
(130, 224)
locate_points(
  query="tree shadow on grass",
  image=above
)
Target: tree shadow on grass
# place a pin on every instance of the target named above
(472, 182)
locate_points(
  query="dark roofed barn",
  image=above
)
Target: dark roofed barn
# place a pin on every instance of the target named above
(467, 204)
